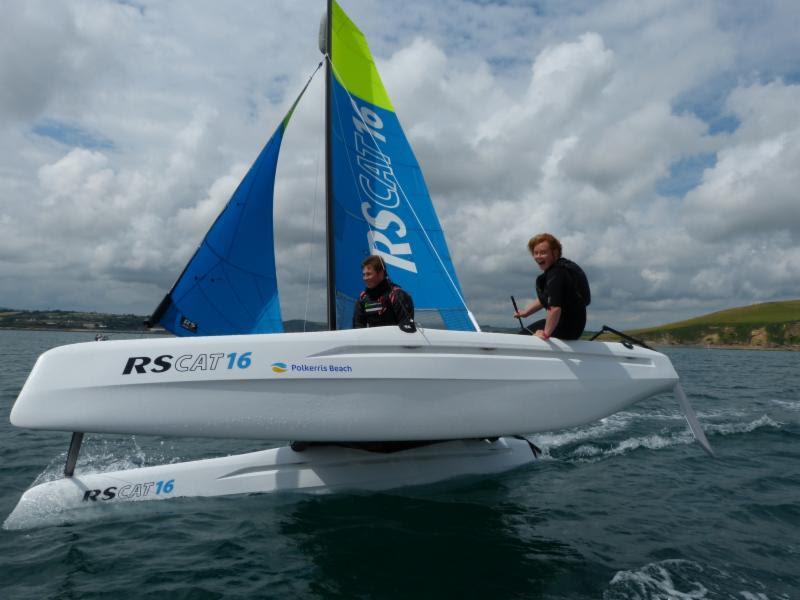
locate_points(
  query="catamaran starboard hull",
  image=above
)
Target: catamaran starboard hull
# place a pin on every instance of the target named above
(316, 470)
(357, 385)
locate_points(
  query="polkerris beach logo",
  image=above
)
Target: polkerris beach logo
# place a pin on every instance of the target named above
(282, 367)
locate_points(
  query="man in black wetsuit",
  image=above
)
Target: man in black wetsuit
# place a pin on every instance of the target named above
(382, 302)
(557, 291)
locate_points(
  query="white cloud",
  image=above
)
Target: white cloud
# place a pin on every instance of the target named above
(125, 129)
(753, 188)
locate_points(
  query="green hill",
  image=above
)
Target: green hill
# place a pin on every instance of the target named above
(766, 325)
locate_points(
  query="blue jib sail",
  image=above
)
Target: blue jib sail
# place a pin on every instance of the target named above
(380, 202)
(230, 285)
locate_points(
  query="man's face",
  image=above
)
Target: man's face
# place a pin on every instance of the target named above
(543, 255)
(372, 277)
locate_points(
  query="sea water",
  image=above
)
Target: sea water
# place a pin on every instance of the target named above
(627, 507)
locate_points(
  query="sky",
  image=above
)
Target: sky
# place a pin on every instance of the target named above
(658, 140)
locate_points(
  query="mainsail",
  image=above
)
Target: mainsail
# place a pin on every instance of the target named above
(230, 284)
(379, 205)
(380, 202)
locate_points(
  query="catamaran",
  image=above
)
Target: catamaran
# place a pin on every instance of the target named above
(456, 396)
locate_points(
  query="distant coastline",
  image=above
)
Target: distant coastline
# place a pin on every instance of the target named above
(102, 323)
(766, 326)
(784, 348)
(159, 331)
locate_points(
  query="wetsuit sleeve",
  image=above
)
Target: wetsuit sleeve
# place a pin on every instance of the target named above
(403, 310)
(557, 287)
(403, 306)
(541, 290)
(359, 316)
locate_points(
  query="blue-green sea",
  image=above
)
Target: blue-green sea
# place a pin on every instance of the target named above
(628, 507)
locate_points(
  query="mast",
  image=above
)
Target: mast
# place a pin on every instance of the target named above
(329, 172)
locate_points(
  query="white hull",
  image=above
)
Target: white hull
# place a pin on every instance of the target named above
(315, 470)
(356, 385)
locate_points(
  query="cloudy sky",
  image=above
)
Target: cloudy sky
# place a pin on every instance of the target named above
(659, 140)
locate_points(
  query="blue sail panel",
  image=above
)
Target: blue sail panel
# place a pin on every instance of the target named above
(381, 206)
(230, 285)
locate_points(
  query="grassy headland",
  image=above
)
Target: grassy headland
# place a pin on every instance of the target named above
(774, 325)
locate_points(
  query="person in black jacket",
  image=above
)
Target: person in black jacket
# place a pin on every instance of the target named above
(382, 303)
(557, 291)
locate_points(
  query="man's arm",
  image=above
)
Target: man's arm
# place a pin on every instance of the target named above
(529, 310)
(403, 308)
(550, 324)
(359, 317)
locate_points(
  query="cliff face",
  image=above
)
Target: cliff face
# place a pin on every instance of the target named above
(785, 336)
(769, 325)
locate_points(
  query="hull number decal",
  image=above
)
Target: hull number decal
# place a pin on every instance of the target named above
(130, 491)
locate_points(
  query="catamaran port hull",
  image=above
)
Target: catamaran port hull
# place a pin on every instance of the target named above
(316, 470)
(357, 385)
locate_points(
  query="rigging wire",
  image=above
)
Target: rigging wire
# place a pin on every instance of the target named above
(315, 203)
(288, 115)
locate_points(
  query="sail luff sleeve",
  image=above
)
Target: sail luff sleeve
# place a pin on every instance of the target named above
(330, 248)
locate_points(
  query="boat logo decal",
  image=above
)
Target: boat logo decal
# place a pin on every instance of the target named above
(189, 325)
(131, 491)
(282, 367)
(184, 363)
(380, 188)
